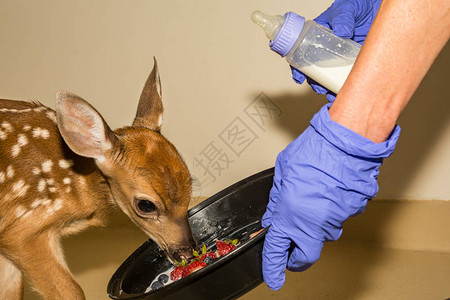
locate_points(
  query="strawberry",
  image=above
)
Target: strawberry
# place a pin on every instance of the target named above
(211, 254)
(224, 248)
(193, 267)
(177, 273)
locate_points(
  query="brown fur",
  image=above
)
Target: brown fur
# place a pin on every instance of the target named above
(63, 172)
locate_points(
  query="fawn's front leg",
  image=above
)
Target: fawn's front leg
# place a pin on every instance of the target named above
(42, 261)
(11, 281)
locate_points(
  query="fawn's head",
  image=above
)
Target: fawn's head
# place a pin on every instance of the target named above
(148, 178)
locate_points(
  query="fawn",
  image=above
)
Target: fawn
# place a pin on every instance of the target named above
(63, 171)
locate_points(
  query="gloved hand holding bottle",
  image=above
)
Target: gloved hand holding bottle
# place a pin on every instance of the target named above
(350, 19)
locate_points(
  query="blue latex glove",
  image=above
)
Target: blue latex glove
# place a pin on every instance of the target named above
(350, 19)
(322, 178)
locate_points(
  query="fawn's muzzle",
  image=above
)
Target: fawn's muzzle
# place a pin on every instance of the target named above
(183, 249)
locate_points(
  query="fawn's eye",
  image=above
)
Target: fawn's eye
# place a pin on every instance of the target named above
(144, 206)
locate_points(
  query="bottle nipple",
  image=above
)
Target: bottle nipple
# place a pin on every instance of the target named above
(270, 24)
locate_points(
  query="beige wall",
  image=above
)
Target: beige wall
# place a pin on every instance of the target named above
(214, 63)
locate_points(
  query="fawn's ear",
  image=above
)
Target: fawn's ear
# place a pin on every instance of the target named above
(82, 127)
(150, 109)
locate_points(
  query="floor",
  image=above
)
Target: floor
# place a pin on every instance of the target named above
(348, 269)
(355, 272)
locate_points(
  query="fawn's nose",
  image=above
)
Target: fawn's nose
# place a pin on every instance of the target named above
(183, 253)
(184, 250)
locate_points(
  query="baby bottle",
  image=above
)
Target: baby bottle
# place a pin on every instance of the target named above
(312, 48)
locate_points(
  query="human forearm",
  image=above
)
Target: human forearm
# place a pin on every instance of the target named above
(403, 42)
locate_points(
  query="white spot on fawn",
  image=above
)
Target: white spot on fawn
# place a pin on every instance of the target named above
(25, 215)
(36, 171)
(45, 134)
(3, 135)
(65, 164)
(18, 185)
(67, 181)
(37, 202)
(2, 177)
(47, 166)
(7, 126)
(50, 181)
(21, 141)
(15, 150)
(8, 197)
(40, 133)
(57, 205)
(20, 210)
(36, 132)
(9, 172)
(26, 127)
(20, 188)
(41, 185)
